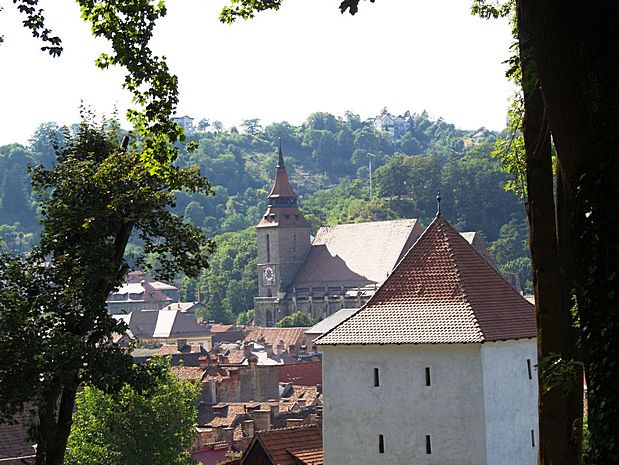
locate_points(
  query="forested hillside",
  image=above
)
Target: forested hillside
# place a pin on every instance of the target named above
(328, 161)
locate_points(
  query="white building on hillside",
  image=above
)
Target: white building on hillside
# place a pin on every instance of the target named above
(438, 368)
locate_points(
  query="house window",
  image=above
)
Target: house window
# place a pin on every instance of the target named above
(381, 444)
(428, 379)
(428, 444)
(532, 438)
(529, 368)
(376, 378)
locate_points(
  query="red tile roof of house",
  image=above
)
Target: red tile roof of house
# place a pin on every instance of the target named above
(291, 446)
(290, 336)
(442, 291)
(188, 373)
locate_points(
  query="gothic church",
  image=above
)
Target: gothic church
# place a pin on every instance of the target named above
(341, 268)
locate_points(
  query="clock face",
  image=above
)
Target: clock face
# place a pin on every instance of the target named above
(269, 276)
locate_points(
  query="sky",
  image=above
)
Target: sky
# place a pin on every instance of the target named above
(280, 66)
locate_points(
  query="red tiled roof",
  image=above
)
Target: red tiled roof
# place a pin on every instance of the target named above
(171, 349)
(290, 446)
(187, 373)
(272, 336)
(442, 291)
(307, 393)
(218, 328)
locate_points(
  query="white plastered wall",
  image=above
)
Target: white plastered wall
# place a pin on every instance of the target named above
(403, 409)
(510, 401)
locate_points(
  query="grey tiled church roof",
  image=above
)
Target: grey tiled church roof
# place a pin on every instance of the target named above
(356, 254)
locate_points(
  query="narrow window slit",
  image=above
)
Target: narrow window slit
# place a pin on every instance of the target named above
(381, 444)
(376, 378)
(428, 444)
(529, 368)
(428, 379)
(532, 438)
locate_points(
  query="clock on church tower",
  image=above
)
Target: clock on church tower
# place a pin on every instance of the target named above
(268, 276)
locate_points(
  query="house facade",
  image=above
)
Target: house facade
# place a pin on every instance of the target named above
(141, 292)
(437, 368)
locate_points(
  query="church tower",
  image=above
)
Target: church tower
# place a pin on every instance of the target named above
(283, 244)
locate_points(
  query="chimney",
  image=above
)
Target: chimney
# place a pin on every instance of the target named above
(269, 349)
(293, 422)
(292, 349)
(228, 435)
(180, 344)
(246, 350)
(221, 359)
(274, 411)
(319, 388)
(262, 419)
(281, 347)
(203, 362)
(248, 428)
(252, 360)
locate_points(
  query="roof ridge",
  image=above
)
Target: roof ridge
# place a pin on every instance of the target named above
(461, 286)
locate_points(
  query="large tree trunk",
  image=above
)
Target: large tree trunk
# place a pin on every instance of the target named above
(576, 49)
(558, 413)
(55, 418)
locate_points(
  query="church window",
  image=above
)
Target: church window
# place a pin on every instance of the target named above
(268, 249)
(529, 368)
(376, 378)
(381, 444)
(428, 379)
(428, 444)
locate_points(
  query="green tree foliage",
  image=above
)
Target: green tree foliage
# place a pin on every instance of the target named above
(54, 325)
(229, 285)
(16, 203)
(154, 426)
(296, 320)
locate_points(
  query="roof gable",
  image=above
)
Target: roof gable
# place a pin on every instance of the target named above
(289, 446)
(442, 291)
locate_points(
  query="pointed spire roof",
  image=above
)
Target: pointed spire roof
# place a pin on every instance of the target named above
(443, 291)
(281, 186)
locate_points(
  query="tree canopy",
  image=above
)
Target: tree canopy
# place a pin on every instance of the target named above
(154, 426)
(55, 331)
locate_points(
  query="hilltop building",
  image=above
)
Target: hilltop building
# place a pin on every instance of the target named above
(394, 125)
(186, 122)
(438, 367)
(341, 268)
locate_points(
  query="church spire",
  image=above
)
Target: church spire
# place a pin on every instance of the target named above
(280, 161)
(283, 208)
(282, 193)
